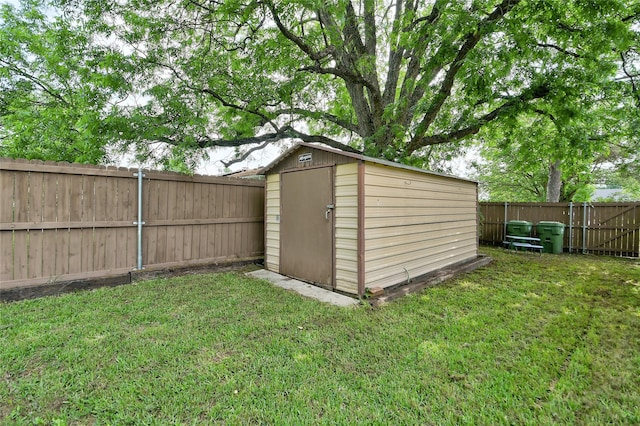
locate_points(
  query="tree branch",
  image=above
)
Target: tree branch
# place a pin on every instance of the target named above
(35, 80)
(470, 42)
(351, 33)
(396, 51)
(319, 115)
(545, 113)
(286, 132)
(246, 154)
(370, 39)
(631, 17)
(455, 135)
(315, 56)
(219, 98)
(343, 74)
(292, 133)
(634, 88)
(560, 49)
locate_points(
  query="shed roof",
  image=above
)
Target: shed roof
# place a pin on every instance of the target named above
(361, 157)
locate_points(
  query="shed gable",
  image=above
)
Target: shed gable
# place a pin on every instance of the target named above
(306, 156)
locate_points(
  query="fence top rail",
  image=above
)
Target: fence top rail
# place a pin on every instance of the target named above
(38, 166)
(562, 204)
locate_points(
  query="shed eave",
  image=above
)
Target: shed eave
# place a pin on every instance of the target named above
(361, 157)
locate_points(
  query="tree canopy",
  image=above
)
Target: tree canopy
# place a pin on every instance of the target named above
(59, 92)
(391, 79)
(538, 157)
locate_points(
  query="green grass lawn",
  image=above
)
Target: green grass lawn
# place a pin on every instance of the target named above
(527, 340)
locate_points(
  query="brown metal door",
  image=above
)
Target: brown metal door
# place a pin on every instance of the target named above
(306, 225)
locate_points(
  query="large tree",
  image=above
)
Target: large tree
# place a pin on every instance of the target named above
(390, 78)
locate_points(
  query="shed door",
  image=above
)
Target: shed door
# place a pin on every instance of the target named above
(306, 225)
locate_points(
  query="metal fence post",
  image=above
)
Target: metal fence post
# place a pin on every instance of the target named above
(570, 227)
(140, 175)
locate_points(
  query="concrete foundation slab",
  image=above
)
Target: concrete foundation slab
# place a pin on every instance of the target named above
(305, 289)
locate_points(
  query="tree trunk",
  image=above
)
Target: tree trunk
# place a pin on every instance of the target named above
(554, 184)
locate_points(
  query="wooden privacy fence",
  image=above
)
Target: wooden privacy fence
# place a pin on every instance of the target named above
(61, 222)
(599, 228)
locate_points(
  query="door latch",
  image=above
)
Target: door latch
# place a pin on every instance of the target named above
(329, 208)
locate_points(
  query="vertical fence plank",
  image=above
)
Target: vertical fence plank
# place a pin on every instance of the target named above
(204, 229)
(88, 216)
(214, 213)
(164, 206)
(7, 192)
(63, 200)
(20, 214)
(101, 208)
(75, 191)
(150, 215)
(196, 214)
(49, 236)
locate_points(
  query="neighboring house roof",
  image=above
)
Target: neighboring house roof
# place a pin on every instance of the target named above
(606, 193)
(357, 157)
(245, 173)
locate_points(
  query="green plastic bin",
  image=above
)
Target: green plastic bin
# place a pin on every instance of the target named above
(519, 228)
(551, 236)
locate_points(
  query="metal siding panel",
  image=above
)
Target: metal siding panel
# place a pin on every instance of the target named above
(346, 241)
(346, 214)
(402, 221)
(398, 276)
(415, 224)
(408, 253)
(439, 211)
(347, 191)
(425, 238)
(388, 177)
(403, 231)
(374, 192)
(272, 250)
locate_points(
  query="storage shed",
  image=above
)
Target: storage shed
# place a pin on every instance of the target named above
(349, 223)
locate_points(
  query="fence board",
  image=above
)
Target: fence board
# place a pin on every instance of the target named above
(20, 257)
(35, 197)
(21, 199)
(35, 257)
(7, 180)
(75, 251)
(48, 253)
(6, 216)
(600, 228)
(66, 221)
(6, 251)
